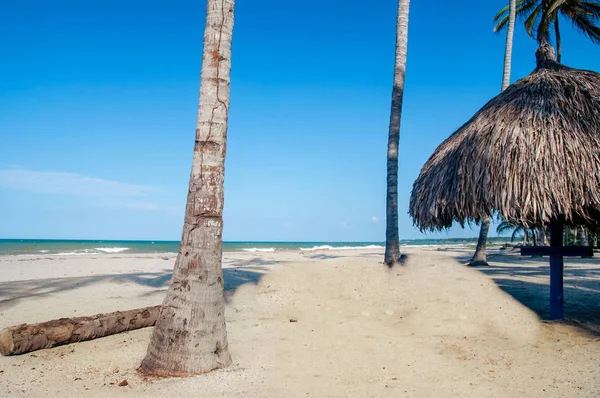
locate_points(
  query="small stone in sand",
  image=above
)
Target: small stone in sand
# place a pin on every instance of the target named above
(123, 383)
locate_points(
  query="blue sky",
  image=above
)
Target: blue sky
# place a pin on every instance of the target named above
(98, 104)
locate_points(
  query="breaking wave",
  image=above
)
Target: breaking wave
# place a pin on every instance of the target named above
(329, 247)
(260, 249)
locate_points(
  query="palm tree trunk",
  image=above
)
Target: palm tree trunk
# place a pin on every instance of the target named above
(392, 248)
(582, 239)
(190, 335)
(480, 255)
(543, 33)
(542, 236)
(512, 14)
(558, 41)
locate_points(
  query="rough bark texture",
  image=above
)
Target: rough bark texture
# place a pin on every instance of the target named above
(31, 337)
(392, 248)
(190, 335)
(480, 257)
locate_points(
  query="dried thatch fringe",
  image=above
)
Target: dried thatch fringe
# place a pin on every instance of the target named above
(529, 154)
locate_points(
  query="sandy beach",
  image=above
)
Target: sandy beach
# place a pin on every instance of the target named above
(431, 328)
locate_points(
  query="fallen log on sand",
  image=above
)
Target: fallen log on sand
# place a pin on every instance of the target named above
(31, 337)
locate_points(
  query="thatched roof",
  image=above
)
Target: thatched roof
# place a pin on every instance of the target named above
(530, 154)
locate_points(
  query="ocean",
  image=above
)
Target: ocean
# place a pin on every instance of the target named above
(89, 247)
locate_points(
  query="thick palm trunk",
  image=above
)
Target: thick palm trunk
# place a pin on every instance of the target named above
(190, 335)
(480, 256)
(24, 338)
(392, 249)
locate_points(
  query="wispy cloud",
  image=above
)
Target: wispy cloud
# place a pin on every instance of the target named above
(375, 219)
(59, 183)
(129, 205)
(101, 192)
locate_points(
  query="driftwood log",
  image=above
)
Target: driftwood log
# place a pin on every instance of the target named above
(31, 337)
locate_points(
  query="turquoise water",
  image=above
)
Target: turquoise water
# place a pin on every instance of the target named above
(86, 247)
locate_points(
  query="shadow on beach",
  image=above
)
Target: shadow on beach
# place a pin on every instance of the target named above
(527, 280)
(234, 276)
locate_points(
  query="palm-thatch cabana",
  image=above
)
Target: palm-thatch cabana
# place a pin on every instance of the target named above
(531, 154)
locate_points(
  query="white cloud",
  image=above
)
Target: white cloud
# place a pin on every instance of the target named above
(375, 219)
(103, 193)
(52, 182)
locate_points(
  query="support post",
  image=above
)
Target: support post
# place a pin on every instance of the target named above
(556, 270)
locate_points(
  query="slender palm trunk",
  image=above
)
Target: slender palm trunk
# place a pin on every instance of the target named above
(542, 236)
(480, 256)
(558, 41)
(190, 335)
(392, 249)
(582, 237)
(512, 15)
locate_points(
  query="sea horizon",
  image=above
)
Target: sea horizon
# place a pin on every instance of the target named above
(73, 247)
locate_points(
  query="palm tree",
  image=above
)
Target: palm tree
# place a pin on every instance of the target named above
(583, 14)
(514, 228)
(480, 256)
(392, 245)
(190, 335)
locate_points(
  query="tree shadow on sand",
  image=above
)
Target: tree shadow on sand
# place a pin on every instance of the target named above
(12, 292)
(527, 280)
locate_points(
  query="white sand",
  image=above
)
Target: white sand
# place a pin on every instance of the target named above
(431, 328)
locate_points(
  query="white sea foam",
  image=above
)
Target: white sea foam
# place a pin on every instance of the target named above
(329, 247)
(260, 249)
(76, 253)
(112, 249)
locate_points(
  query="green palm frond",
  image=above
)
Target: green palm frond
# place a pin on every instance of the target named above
(533, 21)
(523, 8)
(583, 14)
(503, 227)
(516, 233)
(555, 5)
(501, 25)
(584, 17)
(586, 26)
(592, 8)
